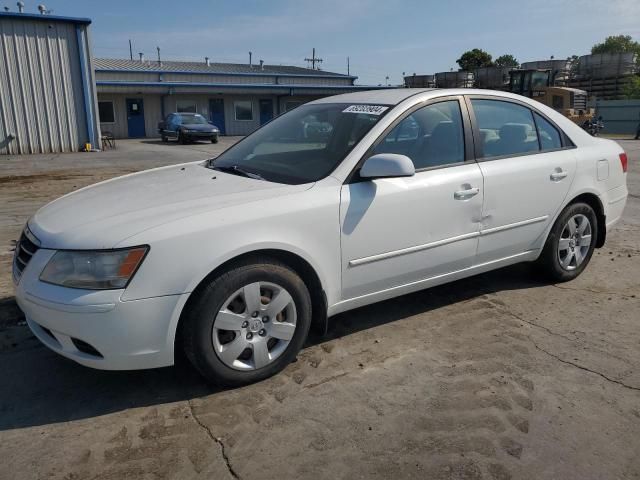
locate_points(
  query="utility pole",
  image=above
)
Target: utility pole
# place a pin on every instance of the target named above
(313, 60)
(130, 50)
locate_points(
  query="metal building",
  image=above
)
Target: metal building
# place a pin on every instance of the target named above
(47, 91)
(460, 79)
(134, 95)
(605, 75)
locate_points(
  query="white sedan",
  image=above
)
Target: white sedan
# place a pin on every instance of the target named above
(342, 202)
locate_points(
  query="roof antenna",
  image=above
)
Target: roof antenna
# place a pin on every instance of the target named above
(250, 63)
(159, 61)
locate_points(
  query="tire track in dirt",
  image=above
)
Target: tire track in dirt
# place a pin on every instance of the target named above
(468, 417)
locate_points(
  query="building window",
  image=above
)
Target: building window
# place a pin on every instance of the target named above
(186, 106)
(105, 112)
(243, 109)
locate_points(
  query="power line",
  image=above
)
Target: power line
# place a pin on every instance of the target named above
(313, 60)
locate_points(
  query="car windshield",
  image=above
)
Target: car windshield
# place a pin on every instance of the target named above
(193, 120)
(304, 145)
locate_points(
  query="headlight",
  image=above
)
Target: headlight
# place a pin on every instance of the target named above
(94, 270)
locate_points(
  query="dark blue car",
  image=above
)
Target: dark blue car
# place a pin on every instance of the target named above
(187, 127)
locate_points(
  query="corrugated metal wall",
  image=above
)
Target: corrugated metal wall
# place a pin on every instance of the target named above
(619, 116)
(221, 79)
(120, 127)
(41, 91)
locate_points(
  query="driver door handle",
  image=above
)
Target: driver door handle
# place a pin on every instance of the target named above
(466, 194)
(558, 175)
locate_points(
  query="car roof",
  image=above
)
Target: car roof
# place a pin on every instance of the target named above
(391, 96)
(394, 96)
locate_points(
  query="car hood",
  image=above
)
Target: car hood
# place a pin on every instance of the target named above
(199, 127)
(105, 214)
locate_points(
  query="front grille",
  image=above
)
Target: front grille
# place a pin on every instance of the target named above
(579, 102)
(26, 248)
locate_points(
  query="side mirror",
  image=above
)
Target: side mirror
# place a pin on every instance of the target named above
(387, 165)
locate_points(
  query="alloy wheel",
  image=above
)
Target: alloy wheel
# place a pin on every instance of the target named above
(574, 242)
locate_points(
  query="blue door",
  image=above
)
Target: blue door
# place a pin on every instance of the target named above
(266, 110)
(135, 118)
(216, 114)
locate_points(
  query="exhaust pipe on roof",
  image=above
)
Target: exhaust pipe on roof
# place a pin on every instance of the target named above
(261, 64)
(20, 7)
(141, 57)
(206, 60)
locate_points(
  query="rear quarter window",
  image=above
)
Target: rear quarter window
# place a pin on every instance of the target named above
(550, 138)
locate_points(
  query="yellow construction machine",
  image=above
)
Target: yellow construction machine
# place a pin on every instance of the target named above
(537, 84)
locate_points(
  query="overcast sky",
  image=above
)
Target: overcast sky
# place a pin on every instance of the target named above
(382, 37)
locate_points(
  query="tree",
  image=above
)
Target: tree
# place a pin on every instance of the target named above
(617, 44)
(472, 59)
(506, 60)
(632, 89)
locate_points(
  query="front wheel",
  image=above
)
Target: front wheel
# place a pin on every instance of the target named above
(570, 243)
(214, 139)
(247, 324)
(182, 139)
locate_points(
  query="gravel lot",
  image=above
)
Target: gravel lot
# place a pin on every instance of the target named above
(496, 377)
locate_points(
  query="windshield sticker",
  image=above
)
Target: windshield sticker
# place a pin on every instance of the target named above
(370, 109)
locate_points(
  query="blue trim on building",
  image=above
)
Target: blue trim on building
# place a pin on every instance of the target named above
(86, 86)
(224, 74)
(119, 83)
(46, 18)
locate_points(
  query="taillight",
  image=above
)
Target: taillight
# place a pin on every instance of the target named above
(623, 161)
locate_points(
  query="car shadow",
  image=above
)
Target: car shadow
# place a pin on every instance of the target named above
(40, 387)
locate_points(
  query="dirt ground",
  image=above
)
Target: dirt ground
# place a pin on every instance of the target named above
(494, 377)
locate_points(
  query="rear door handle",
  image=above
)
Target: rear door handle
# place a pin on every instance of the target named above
(558, 175)
(466, 194)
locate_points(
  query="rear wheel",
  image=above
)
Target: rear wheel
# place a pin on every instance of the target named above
(164, 138)
(570, 244)
(248, 324)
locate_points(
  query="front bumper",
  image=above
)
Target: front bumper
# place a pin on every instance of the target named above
(208, 135)
(96, 328)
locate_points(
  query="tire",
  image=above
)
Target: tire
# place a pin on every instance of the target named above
(214, 139)
(231, 357)
(182, 139)
(165, 139)
(566, 254)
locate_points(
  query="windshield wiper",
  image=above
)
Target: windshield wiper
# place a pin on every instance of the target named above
(236, 170)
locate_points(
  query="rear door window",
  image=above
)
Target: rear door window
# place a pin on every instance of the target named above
(506, 129)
